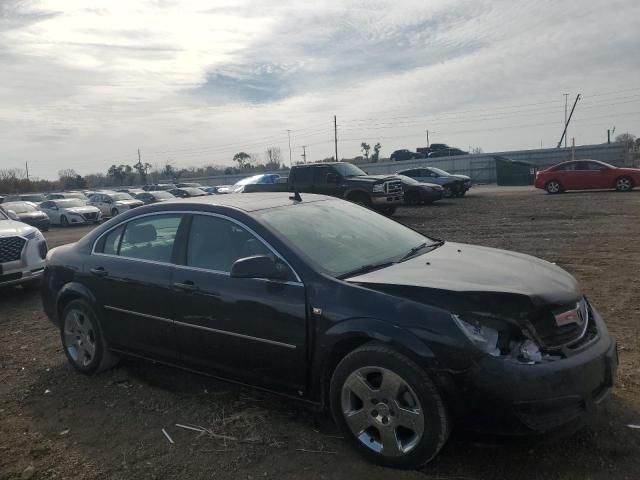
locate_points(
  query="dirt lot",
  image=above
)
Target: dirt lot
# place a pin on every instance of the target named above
(55, 423)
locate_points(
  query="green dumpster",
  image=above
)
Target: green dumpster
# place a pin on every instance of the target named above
(514, 172)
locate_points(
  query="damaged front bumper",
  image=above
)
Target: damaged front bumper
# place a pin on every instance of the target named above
(502, 395)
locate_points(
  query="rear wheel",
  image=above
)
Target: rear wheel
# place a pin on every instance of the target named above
(82, 339)
(388, 407)
(553, 187)
(624, 184)
(63, 221)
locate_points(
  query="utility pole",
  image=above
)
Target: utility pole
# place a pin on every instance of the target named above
(566, 99)
(566, 125)
(26, 165)
(335, 135)
(608, 136)
(304, 154)
(289, 135)
(428, 138)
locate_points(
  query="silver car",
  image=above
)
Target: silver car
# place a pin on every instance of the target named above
(70, 211)
(113, 203)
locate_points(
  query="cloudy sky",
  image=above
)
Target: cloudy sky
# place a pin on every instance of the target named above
(84, 84)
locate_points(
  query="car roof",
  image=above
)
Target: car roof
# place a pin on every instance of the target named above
(248, 202)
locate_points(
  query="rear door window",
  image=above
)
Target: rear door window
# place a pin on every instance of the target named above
(302, 178)
(150, 238)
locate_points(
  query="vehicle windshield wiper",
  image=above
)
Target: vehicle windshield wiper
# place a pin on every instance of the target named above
(366, 268)
(422, 246)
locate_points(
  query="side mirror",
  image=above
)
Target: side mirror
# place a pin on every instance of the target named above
(12, 215)
(258, 266)
(332, 178)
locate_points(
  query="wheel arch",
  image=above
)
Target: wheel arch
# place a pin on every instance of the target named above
(73, 291)
(351, 192)
(349, 335)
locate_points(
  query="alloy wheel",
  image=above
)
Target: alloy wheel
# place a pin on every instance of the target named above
(553, 187)
(79, 337)
(623, 184)
(382, 411)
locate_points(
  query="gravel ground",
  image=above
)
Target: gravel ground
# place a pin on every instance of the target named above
(55, 423)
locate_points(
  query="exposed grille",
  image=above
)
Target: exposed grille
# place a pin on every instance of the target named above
(393, 187)
(555, 336)
(11, 248)
(90, 216)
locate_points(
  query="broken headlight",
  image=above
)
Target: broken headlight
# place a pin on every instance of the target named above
(481, 335)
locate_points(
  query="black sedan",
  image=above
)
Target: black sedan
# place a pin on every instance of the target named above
(187, 192)
(398, 334)
(28, 213)
(154, 197)
(454, 185)
(416, 193)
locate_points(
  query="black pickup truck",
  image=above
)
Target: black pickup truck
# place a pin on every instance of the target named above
(340, 179)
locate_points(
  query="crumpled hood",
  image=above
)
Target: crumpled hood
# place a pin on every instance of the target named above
(462, 177)
(11, 228)
(460, 267)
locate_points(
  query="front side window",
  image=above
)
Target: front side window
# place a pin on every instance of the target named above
(150, 238)
(348, 170)
(216, 243)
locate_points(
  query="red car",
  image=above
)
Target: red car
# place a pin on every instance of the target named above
(587, 175)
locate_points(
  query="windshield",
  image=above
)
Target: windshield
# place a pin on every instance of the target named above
(3, 216)
(20, 207)
(341, 237)
(250, 180)
(408, 180)
(121, 196)
(439, 171)
(348, 170)
(70, 203)
(33, 198)
(162, 195)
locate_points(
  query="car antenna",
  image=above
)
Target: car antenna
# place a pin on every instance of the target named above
(296, 197)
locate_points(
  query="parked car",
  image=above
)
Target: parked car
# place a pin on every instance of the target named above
(154, 197)
(63, 195)
(213, 190)
(587, 175)
(35, 198)
(405, 154)
(400, 335)
(261, 179)
(27, 212)
(188, 184)
(23, 250)
(453, 185)
(113, 203)
(416, 193)
(159, 186)
(70, 211)
(187, 192)
(131, 191)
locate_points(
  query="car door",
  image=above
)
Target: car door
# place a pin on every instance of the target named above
(51, 210)
(583, 177)
(601, 175)
(250, 329)
(565, 174)
(129, 272)
(321, 184)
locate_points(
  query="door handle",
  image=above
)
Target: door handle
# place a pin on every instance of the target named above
(99, 272)
(187, 286)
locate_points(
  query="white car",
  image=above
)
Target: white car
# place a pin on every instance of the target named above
(113, 203)
(70, 211)
(23, 251)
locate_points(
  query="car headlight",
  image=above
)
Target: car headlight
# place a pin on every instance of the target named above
(482, 336)
(379, 188)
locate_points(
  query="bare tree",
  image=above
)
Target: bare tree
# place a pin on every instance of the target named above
(273, 156)
(365, 147)
(627, 138)
(376, 152)
(242, 158)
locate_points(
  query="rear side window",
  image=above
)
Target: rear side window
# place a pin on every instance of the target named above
(216, 243)
(111, 241)
(150, 238)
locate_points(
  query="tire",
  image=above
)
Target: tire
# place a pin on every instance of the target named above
(412, 198)
(460, 193)
(360, 198)
(82, 339)
(388, 211)
(114, 212)
(624, 184)
(553, 187)
(63, 221)
(448, 193)
(392, 391)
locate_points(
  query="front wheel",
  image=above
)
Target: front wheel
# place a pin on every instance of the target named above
(447, 192)
(114, 212)
(388, 407)
(63, 221)
(553, 187)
